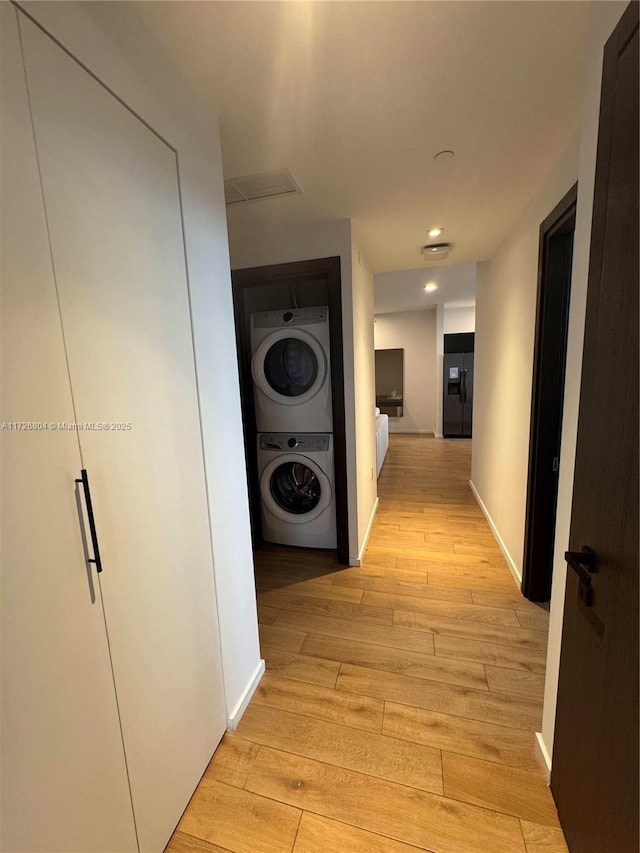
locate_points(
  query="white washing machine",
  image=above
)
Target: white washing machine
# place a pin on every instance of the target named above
(291, 370)
(297, 502)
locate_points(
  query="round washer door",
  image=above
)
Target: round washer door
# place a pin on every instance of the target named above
(295, 489)
(289, 366)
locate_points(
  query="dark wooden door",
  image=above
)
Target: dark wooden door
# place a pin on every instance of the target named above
(595, 759)
(550, 350)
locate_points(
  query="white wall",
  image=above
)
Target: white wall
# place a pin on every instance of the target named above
(505, 316)
(458, 320)
(111, 43)
(440, 367)
(365, 391)
(505, 326)
(415, 332)
(325, 240)
(607, 17)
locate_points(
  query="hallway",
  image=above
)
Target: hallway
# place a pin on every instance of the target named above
(401, 697)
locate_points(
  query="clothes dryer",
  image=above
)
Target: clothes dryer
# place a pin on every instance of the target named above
(291, 370)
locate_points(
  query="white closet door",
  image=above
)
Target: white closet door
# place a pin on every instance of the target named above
(64, 780)
(112, 198)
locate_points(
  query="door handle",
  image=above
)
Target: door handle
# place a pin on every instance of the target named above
(463, 385)
(583, 564)
(84, 479)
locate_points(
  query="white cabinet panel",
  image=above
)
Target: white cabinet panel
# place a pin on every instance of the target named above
(64, 781)
(112, 199)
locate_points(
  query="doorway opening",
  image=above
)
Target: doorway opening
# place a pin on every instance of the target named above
(295, 288)
(550, 351)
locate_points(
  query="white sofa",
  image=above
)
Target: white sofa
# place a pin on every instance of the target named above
(382, 438)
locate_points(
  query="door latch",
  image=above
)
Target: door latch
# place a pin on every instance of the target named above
(583, 564)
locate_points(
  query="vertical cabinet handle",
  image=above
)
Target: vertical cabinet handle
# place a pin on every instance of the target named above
(84, 479)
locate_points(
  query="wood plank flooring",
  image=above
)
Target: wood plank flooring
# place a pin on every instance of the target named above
(401, 697)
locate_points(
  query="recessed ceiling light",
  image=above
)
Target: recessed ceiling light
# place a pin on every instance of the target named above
(430, 286)
(443, 156)
(435, 232)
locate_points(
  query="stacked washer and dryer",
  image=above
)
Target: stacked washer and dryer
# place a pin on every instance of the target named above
(291, 369)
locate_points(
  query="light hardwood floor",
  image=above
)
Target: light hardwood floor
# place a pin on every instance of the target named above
(401, 697)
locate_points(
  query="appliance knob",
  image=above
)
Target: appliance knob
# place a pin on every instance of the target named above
(293, 442)
(287, 317)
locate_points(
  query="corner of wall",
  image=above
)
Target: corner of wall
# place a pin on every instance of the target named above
(513, 566)
(439, 367)
(363, 391)
(235, 715)
(357, 561)
(543, 756)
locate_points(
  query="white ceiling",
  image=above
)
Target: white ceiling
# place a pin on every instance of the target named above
(404, 290)
(356, 98)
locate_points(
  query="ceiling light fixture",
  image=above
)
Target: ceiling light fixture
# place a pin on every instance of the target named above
(430, 286)
(436, 251)
(435, 232)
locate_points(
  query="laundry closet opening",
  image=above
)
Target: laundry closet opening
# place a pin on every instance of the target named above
(290, 358)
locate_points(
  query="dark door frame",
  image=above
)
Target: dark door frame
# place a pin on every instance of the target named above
(297, 272)
(547, 398)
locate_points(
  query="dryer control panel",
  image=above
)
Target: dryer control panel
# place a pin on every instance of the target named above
(302, 442)
(290, 317)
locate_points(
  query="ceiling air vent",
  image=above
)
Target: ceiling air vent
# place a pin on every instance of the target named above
(436, 251)
(254, 187)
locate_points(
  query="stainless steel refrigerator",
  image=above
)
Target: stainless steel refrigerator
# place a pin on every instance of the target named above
(457, 406)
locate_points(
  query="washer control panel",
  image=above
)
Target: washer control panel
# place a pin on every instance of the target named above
(302, 442)
(289, 317)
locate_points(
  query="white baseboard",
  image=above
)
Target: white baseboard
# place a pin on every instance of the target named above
(357, 561)
(510, 561)
(437, 434)
(236, 715)
(543, 755)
